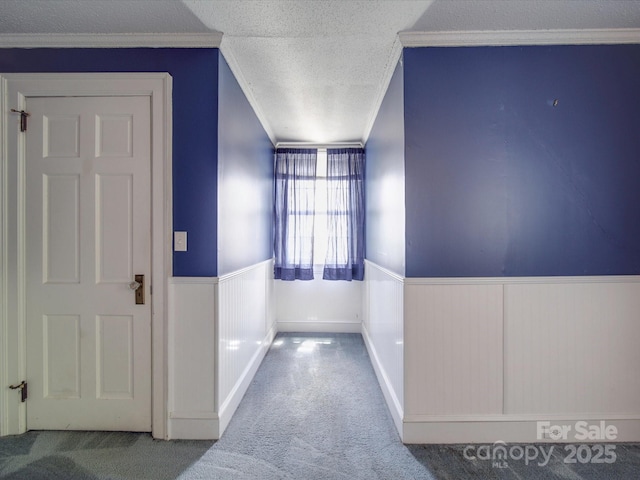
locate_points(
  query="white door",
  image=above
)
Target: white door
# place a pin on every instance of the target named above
(88, 233)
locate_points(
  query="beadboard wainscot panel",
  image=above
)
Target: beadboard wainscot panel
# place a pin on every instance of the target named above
(565, 349)
(245, 331)
(453, 355)
(572, 348)
(453, 348)
(191, 357)
(383, 333)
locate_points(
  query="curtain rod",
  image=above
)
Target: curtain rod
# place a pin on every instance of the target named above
(319, 145)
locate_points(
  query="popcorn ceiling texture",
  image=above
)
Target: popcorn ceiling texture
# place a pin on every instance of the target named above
(97, 16)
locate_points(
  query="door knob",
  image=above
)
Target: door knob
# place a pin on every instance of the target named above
(135, 285)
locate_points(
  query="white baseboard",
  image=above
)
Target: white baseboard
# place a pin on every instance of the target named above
(394, 405)
(510, 430)
(229, 405)
(189, 426)
(325, 326)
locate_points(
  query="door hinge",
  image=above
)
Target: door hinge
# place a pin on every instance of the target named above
(22, 386)
(23, 118)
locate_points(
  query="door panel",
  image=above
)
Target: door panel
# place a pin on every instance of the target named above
(61, 342)
(114, 225)
(88, 233)
(60, 246)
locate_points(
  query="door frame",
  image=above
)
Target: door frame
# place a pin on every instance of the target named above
(15, 89)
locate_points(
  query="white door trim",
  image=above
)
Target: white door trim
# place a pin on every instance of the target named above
(14, 90)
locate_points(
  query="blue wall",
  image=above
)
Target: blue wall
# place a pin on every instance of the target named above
(245, 191)
(385, 211)
(195, 117)
(500, 182)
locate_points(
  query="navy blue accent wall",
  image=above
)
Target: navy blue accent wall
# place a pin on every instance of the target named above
(384, 189)
(245, 191)
(195, 117)
(522, 161)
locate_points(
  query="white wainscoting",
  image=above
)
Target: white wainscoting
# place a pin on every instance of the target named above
(383, 333)
(219, 331)
(192, 358)
(458, 360)
(319, 305)
(245, 331)
(453, 345)
(573, 348)
(486, 359)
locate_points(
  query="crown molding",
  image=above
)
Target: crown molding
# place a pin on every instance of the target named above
(110, 40)
(519, 37)
(395, 56)
(245, 86)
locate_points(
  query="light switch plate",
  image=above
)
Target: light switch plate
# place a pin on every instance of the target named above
(179, 241)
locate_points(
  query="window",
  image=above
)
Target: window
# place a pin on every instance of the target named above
(319, 213)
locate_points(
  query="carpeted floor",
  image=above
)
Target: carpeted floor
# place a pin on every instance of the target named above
(313, 411)
(95, 455)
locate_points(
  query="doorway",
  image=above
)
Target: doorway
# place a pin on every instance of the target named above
(87, 202)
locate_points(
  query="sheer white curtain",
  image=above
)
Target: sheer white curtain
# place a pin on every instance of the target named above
(295, 182)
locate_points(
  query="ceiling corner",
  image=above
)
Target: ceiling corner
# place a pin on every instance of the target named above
(385, 79)
(231, 60)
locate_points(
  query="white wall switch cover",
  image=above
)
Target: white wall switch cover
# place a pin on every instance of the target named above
(179, 241)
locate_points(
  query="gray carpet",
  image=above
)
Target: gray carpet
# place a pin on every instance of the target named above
(448, 462)
(95, 455)
(313, 411)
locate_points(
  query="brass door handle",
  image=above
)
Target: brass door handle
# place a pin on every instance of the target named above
(22, 386)
(138, 286)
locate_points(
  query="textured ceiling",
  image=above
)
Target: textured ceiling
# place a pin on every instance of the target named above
(314, 70)
(314, 67)
(97, 16)
(446, 15)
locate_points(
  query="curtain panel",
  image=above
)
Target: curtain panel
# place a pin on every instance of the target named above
(295, 182)
(345, 214)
